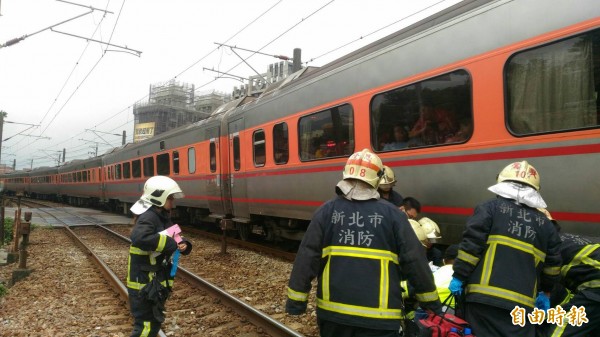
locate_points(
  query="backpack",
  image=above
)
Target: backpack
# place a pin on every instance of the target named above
(434, 325)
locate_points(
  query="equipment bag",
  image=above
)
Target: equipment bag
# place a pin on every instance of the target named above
(441, 325)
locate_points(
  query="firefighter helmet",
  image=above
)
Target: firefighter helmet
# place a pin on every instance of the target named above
(522, 172)
(418, 229)
(432, 230)
(388, 179)
(158, 188)
(365, 166)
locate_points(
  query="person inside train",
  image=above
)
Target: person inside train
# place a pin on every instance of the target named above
(386, 187)
(348, 237)
(400, 139)
(498, 261)
(463, 133)
(432, 127)
(411, 206)
(149, 279)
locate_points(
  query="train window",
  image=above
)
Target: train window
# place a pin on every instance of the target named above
(148, 166)
(176, 162)
(162, 164)
(79, 176)
(281, 148)
(327, 134)
(136, 168)
(212, 149)
(432, 112)
(555, 87)
(236, 153)
(118, 171)
(259, 148)
(191, 160)
(126, 170)
(84, 177)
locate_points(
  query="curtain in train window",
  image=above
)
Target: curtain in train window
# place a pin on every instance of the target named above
(191, 160)
(148, 166)
(281, 148)
(259, 148)
(554, 87)
(162, 164)
(327, 134)
(432, 112)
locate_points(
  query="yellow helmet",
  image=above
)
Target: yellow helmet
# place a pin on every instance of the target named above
(419, 231)
(431, 229)
(388, 179)
(521, 171)
(365, 166)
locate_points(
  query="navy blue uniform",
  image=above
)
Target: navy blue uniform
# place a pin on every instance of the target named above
(506, 248)
(395, 198)
(359, 250)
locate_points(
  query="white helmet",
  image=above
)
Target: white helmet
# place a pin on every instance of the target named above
(388, 180)
(522, 172)
(432, 230)
(416, 226)
(364, 165)
(156, 191)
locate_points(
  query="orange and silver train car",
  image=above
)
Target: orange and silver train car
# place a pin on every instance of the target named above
(446, 103)
(80, 182)
(17, 182)
(43, 183)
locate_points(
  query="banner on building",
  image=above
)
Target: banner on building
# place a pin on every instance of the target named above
(143, 131)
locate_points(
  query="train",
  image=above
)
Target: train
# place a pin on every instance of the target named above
(446, 102)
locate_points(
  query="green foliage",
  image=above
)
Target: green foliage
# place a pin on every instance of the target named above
(8, 228)
(3, 290)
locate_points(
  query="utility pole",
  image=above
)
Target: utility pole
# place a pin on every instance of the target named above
(2, 115)
(124, 137)
(64, 154)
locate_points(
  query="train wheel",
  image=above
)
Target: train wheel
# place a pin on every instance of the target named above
(244, 230)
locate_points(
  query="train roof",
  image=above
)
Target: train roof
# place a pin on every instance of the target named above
(78, 164)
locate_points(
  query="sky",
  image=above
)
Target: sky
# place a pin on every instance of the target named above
(64, 92)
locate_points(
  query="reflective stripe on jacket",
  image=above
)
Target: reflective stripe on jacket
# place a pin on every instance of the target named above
(359, 251)
(149, 249)
(581, 257)
(506, 248)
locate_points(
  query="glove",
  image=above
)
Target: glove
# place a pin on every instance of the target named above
(542, 301)
(295, 307)
(456, 286)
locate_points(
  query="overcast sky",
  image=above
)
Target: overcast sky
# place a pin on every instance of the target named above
(67, 85)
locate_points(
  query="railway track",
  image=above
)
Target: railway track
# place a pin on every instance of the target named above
(196, 307)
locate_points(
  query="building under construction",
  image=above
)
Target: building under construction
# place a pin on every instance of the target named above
(171, 105)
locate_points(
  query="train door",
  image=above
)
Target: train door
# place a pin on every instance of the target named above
(237, 183)
(214, 186)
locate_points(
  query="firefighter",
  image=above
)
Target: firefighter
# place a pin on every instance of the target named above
(507, 246)
(386, 187)
(148, 272)
(432, 230)
(359, 247)
(579, 287)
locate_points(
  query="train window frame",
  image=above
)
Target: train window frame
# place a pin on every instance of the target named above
(191, 160)
(258, 146)
(163, 167)
(126, 170)
(212, 154)
(456, 115)
(148, 166)
(118, 172)
(84, 176)
(281, 143)
(136, 168)
(78, 176)
(319, 154)
(175, 162)
(237, 158)
(527, 118)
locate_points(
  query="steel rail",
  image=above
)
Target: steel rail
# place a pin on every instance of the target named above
(257, 317)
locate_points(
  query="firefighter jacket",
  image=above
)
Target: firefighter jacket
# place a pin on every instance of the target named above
(149, 250)
(506, 248)
(581, 258)
(395, 198)
(359, 251)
